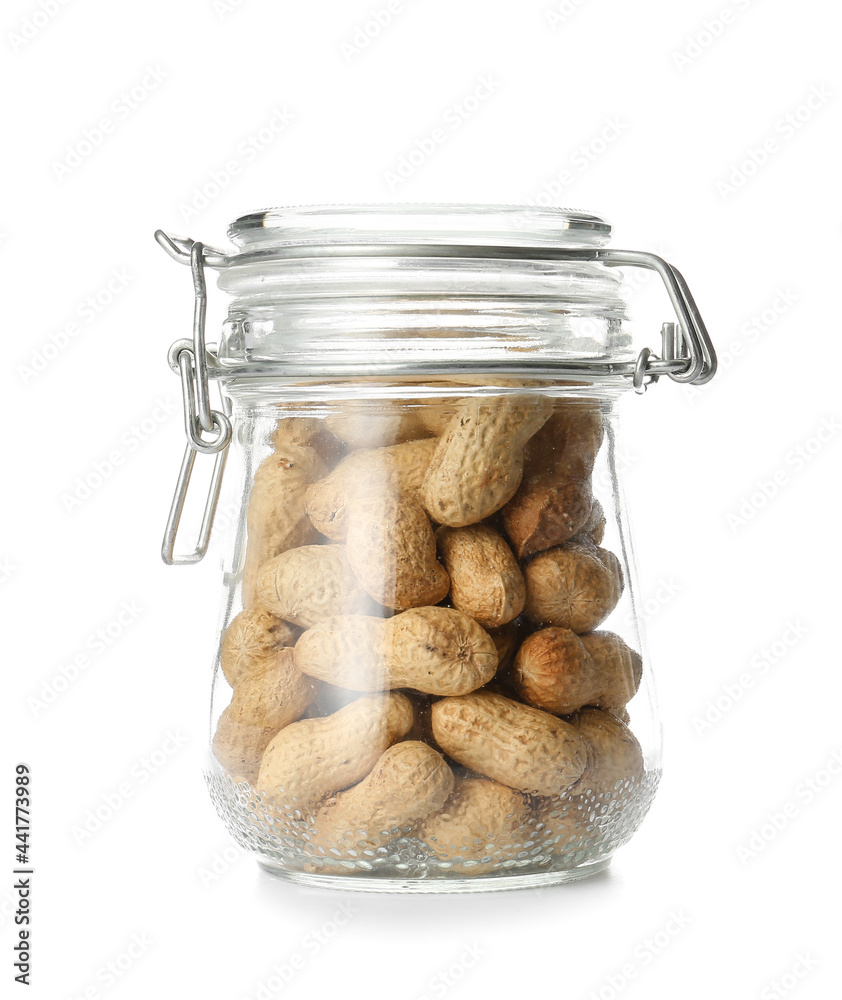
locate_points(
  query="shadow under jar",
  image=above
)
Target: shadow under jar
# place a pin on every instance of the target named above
(431, 673)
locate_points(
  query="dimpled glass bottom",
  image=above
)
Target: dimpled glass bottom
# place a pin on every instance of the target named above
(572, 840)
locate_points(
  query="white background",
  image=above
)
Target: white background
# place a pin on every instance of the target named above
(640, 111)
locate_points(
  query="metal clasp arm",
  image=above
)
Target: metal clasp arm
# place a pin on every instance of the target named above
(177, 508)
(701, 363)
(190, 360)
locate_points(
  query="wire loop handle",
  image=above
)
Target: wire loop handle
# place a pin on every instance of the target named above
(177, 507)
(208, 431)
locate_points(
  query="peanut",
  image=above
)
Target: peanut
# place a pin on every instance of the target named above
(575, 585)
(276, 517)
(594, 528)
(239, 746)
(313, 758)
(517, 745)
(433, 650)
(567, 445)
(615, 760)
(408, 782)
(312, 431)
(481, 823)
(362, 428)
(373, 472)
(485, 579)
(309, 583)
(252, 637)
(273, 694)
(392, 550)
(612, 658)
(567, 825)
(478, 462)
(295, 432)
(543, 514)
(555, 670)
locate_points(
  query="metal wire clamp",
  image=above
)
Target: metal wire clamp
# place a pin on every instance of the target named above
(208, 431)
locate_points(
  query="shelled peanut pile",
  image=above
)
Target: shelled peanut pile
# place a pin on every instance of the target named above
(417, 654)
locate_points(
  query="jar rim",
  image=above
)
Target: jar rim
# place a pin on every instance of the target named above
(450, 224)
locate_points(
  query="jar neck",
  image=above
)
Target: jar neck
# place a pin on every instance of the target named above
(344, 315)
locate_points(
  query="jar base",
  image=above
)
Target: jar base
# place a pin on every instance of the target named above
(476, 883)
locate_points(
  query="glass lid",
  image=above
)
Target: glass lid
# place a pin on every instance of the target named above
(450, 224)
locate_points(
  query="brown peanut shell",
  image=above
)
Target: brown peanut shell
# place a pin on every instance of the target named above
(566, 446)
(276, 517)
(239, 746)
(485, 579)
(615, 760)
(432, 650)
(544, 514)
(575, 585)
(408, 783)
(478, 462)
(313, 758)
(252, 637)
(311, 582)
(392, 551)
(517, 745)
(482, 822)
(273, 694)
(373, 472)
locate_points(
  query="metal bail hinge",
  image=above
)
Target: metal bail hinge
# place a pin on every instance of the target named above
(687, 354)
(671, 350)
(208, 431)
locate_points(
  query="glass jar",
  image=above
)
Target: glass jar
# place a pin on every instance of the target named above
(431, 673)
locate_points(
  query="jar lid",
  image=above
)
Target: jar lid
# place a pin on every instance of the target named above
(451, 225)
(400, 289)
